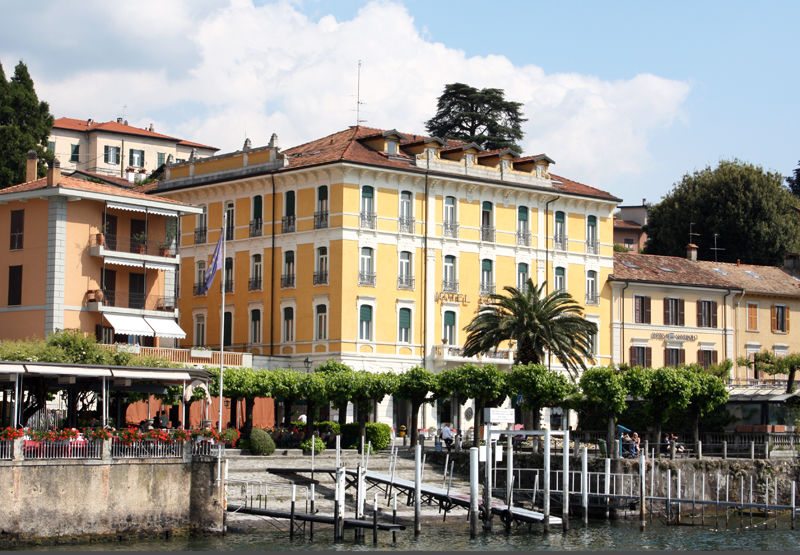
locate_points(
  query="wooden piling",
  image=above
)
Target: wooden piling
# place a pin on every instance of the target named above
(313, 511)
(375, 520)
(694, 494)
(585, 484)
(724, 449)
(727, 498)
(793, 504)
(678, 496)
(546, 477)
(417, 489)
(642, 475)
(703, 498)
(607, 486)
(473, 491)
(669, 494)
(291, 513)
(565, 496)
(394, 516)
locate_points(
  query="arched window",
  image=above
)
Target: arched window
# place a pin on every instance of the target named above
(255, 326)
(404, 325)
(560, 284)
(449, 329)
(288, 324)
(365, 323)
(591, 234)
(322, 321)
(522, 276)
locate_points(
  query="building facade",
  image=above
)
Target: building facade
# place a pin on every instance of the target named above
(88, 256)
(376, 248)
(117, 149)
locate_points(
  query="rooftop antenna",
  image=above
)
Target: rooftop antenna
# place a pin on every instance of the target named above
(358, 97)
(691, 233)
(124, 109)
(715, 249)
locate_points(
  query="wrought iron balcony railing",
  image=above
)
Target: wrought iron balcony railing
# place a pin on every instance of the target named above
(486, 289)
(365, 278)
(524, 238)
(287, 280)
(200, 234)
(487, 233)
(560, 242)
(367, 220)
(405, 282)
(320, 278)
(254, 284)
(288, 224)
(592, 247)
(449, 286)
(450, 229)
(256, 228)
(406, 225)
(321, 219)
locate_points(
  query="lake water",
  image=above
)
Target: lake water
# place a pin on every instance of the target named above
(621, 535)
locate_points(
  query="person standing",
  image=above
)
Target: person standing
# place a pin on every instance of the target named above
(447, 435)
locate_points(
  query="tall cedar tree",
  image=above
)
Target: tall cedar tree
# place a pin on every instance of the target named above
(793, 181)
(753, 213)
(25, 124)
(481, 116)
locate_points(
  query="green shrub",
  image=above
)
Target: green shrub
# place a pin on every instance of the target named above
(328, 426)
(261, 442)
(230, 436)
(379, 434)
(319, 445)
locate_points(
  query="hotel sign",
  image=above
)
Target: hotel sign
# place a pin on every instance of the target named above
(450, 297)
(673, 336)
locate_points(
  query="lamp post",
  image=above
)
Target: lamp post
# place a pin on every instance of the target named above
(307, 363)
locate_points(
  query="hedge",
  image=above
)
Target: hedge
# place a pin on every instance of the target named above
(379, 434)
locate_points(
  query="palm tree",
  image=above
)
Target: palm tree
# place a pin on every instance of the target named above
(553, 323)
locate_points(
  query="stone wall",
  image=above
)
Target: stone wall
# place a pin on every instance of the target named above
(52, 501)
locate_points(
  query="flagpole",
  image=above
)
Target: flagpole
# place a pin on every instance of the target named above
(221, 346)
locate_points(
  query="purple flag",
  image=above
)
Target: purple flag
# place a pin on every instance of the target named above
(216, 262)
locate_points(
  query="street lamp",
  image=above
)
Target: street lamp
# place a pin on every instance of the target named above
(307, 363)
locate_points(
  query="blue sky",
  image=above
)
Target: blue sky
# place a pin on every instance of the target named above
(625, 96)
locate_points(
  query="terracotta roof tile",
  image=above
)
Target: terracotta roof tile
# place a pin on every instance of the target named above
(118, 181)
(626, 224)
(115, 127)
(665, 269)
(757, 279)
(570, 186)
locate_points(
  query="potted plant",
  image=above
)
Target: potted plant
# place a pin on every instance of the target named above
(139, 242)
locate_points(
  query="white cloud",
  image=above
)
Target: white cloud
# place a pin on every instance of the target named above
(264, 69)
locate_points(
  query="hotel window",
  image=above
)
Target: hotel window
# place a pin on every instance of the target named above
(560, 282)
(136, 158)
(752, 316)
(449, 329)
(288, 324)
(365, 323)
(487, 222)
(591, 235)
(111, 155)
(199, 330)
(289, 218)
(321, 275)
(256, 223)
(673, 312)
(75, 153)
(404, 325)
(450, 222)
(706, 314)
(642, 356)
(255, 326)
(255, 272)
(523, 229)
(522, 276)
(405, 278)
(200, 228)
(406, 221)
(227, 333)
(17, 229)
(559, 232)
(366, 272)
(674, 357)
(287, 279)
(487, 277)
(591, 287)
(229, 212)
(449, 282)
(322, 322)
(367, 207)
(706, 358)
(228, 275)
(161, 157)
(780, 318)
(200, 280)
(321, 215)
(641, 309)
(14, 285)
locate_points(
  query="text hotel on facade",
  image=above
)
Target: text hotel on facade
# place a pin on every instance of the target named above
(376, 248)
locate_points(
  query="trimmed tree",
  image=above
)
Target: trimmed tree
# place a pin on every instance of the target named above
(314, 389)
(485, 384)
(604, 387)
(708, 392)
(539, 388)
(669, 390)
(369, 388)
(339, 386)
(416, 386)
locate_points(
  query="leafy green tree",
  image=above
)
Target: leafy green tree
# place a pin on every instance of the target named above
(605, 387)
(485, 384)
(286, 388)
(416, 386)
(368, 388)
(314, 389)
(480, 116)
(707, 393)
(767, 362)
(754, 216)
(339, 385)
(539, 388)
(247, 384)
(25, 124)
(538, 322)
(669, 390)
(793, 181)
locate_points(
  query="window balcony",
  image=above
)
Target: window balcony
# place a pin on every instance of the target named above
(256, 228)
(200, 234)
(449, 286)
(128, 299)
(367, 220)
(137, 244)
(198, 288)
(405, 282)
(16, 240)
(287, 280)
(320, 278)
(405, 225)
(366, 279)
(254, 284)
(486, 289)
(487, 233)
(524, 238)
(321, 219)
(229, 286)
(229, 231)
(560, 242)
(450, 229)
(592, 298)
(288, 224)
(592, 247)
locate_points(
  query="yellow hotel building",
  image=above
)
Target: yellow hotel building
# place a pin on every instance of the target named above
(375, 248)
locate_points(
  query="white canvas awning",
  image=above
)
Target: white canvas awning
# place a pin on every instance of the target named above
(128, 325)
(162, 212)
(12, 369)
(157, 266)
(123, 261)
(165, 327)
(67, 371)
(143, 374)
(125, 206)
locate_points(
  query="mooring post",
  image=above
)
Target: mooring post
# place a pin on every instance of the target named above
(724, 449)
(366, 462)
(752, 449)
(585, 484)
(727, 498)
(703, 498)
(336, 507)
(678, 497)
(694, 494)
(642, 480)
(487, 491)
(652, 485)
(394, 515)
(313, 511)
(699, 450)
(444, 475)
(392, 466)
(338, 450)
(375, 520)
(607, 486)
(669, 493)
(793, 505)
(716, 505)
(313, 449)
(509, 469)
(646, 447)
(775, 501)
(766, 502)
(417, 489)
(565, 496)
(546, 477)
(449, 485)
(474, 475)
(291, 514)
(751, 501)
(741, 503)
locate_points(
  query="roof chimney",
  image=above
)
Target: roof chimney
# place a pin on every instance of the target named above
(89, 122)
(691, 252)
(151, 128)
(54, 173)
(273, 141)
(31, 166)
(119, 120)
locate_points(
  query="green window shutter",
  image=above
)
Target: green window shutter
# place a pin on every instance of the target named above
(106, 156)
(366, 313)
(288, 314)
(257, 209)
(322, 309)
(366, 191)
(522, 268)
(289, 257)
(130, 157)
(592, 221)
(560, 272)
(523, 213)
(142, 151)
(290, 203)
(487, 206)
(449, 318)
(323, 193)
(405, 317)
(486, 265)
(560, 217)
(75, 155)
(161, 158)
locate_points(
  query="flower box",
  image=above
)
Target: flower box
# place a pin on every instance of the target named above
(200, 353)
